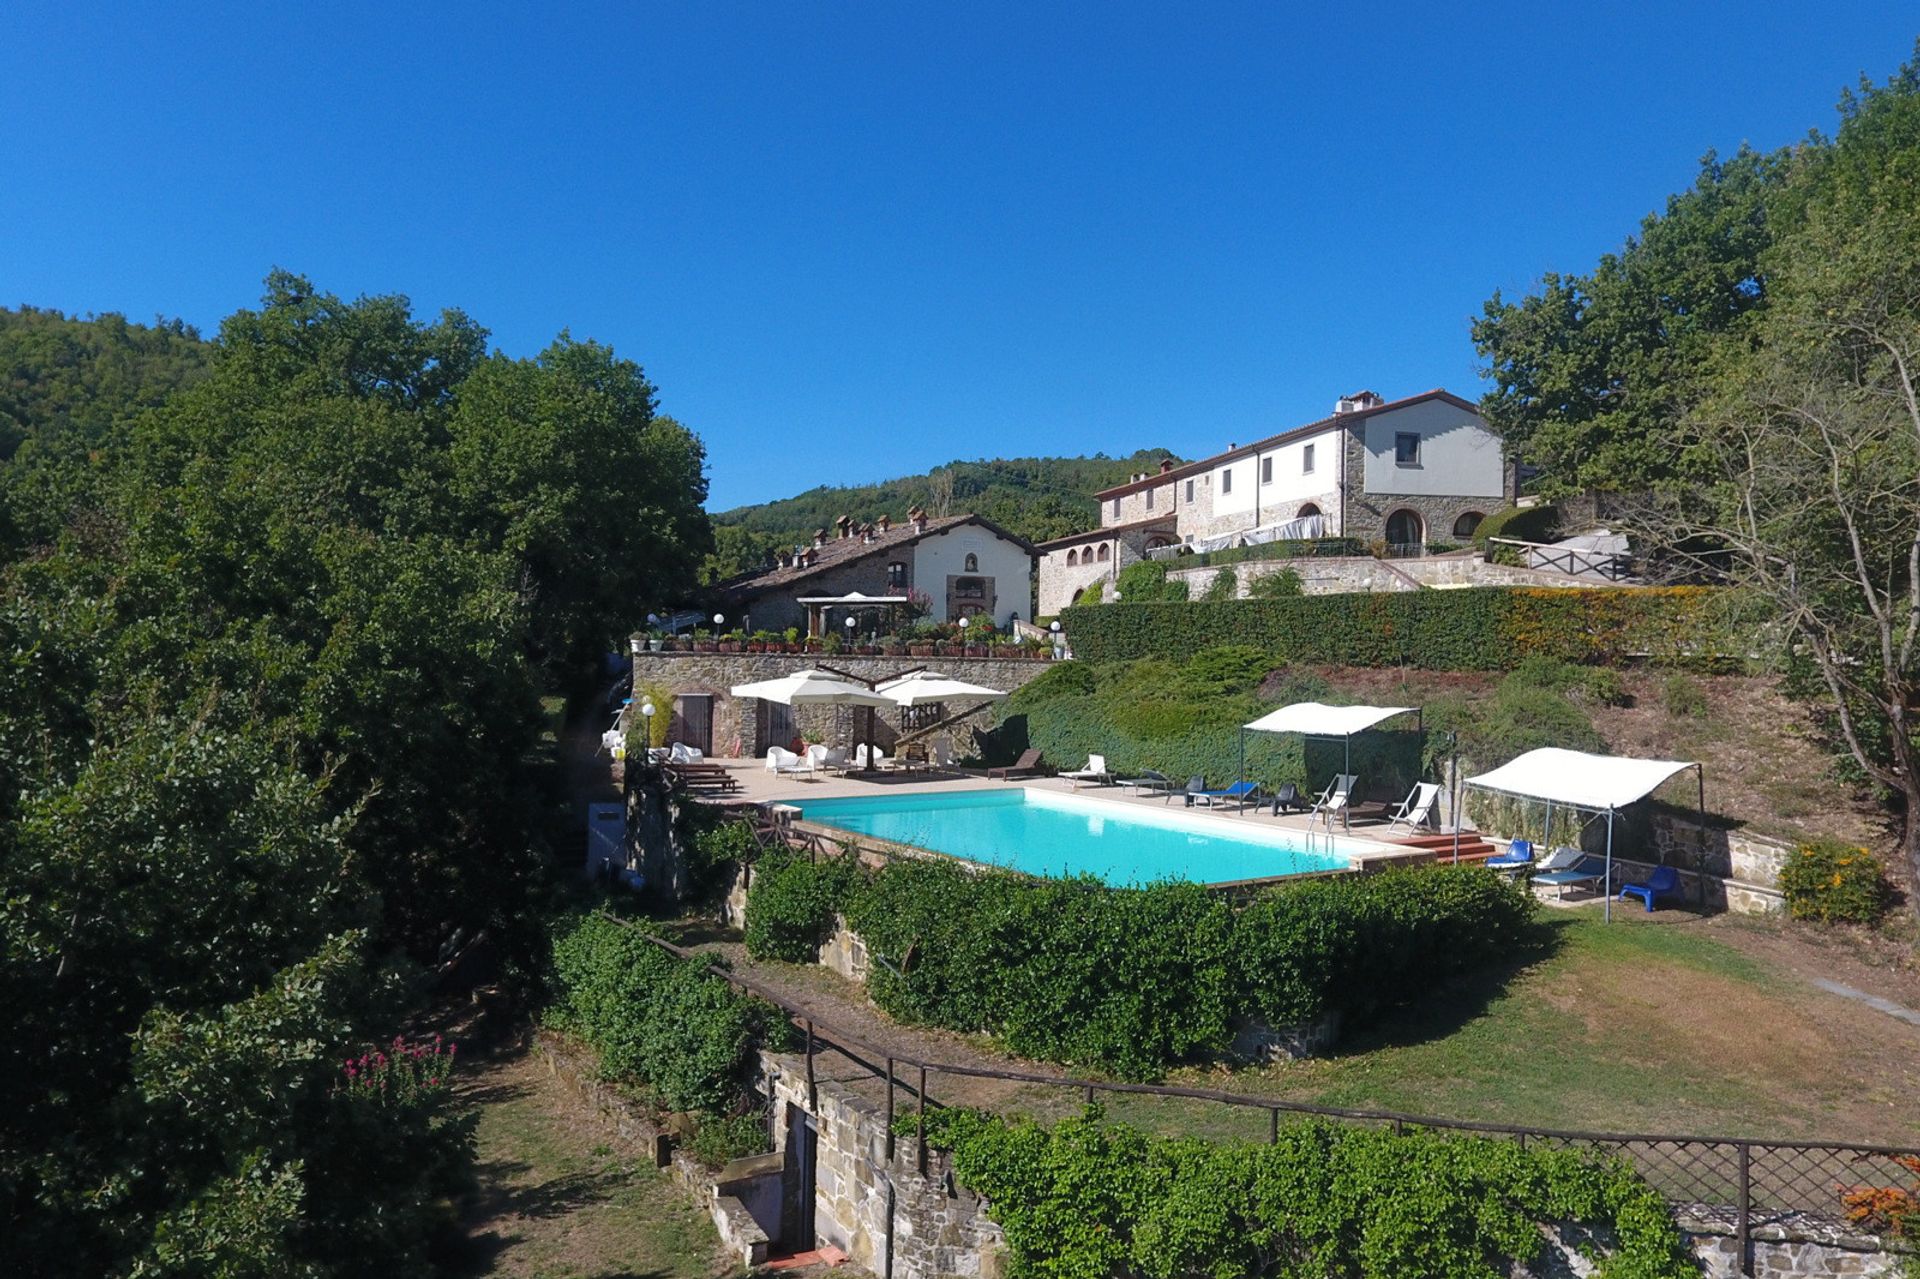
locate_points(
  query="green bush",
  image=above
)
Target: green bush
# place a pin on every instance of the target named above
(1134, 980)
(1520, 524)
(1684, 697)
(1086, 1198)
(653, 1018)
(1146, 582)
(1286, 584)
(1478, 628)
(1224, 586)
(792, 904)
(1062, 679)
(1362, 943)
(718, 1140)
(1290, 549)
(1835, 882)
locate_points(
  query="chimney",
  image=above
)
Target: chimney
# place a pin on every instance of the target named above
(845, 525)
(917, 516)
(1357, 401)
(1166, 464)
(819, 537)
(884, 523)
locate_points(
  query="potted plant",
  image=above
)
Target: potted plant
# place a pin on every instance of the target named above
(732, 642)
(830, 643)
(893, 645)
(791, 640)
(703, 642)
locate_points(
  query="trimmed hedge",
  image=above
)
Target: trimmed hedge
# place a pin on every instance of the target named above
(1086, 1198)
(1476, 628)
(1521, 524)
(792, 904)
(1290, 549)
(653, 1018)
(1135, 980)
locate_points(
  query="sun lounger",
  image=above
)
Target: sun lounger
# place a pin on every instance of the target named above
(1095, 772)
(1336, 797)
(1519, 856)
(704, 778)
(868, 758)
(1416, 808)
(1288, 798)
(1028, 765)
(1239, 794)
(1150, 782)
(1588, 870)
(1663, 880)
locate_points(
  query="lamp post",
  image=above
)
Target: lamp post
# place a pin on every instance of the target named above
(647, 711)
(1058, 644)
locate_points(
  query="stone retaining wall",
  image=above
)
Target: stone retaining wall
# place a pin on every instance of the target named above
(736, 720)
(1363, 574)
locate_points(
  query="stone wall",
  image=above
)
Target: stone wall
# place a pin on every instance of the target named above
(1349, 574)
(880, 1209)
(736, 724)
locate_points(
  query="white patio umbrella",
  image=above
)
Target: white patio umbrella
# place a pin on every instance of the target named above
(817, 688)
(917, 688)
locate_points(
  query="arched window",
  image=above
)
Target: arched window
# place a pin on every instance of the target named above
(973, 563)
(896, 576)
(1305, 510)
(1467, 523)
(1103, 552)
(1073, 558)
(1157, 543)
(1405, 530)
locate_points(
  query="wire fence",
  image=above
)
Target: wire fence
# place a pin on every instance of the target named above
(1785, 1191)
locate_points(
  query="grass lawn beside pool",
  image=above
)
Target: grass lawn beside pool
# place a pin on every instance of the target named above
(1637, 1026)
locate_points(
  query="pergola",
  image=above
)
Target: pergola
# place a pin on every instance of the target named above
(817, 606)
(1316, 719)
(1591, 783)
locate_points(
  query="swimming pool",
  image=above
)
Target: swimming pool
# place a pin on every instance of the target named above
(1046, 832)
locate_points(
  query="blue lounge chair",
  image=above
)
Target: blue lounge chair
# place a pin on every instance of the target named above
(1663, 880)
(1519, 856)
(1588, 870)
(1240, 793)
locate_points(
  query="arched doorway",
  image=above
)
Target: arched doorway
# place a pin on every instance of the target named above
(1406, 532)
(1306, 509)
(1467, 523)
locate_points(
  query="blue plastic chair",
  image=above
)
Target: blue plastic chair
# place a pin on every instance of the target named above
(1519, 853)
(1664, 879)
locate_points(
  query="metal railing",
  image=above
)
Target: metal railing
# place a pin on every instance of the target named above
(1784, 1191)
(1572, 561)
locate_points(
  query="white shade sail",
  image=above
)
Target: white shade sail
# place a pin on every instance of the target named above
(1598, 783)
(853, 599)
(812, 688)
(921, 687)
(1319, 720)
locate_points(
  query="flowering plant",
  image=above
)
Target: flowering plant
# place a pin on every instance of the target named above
(1832, 881)
(402, 1073)
(1894, 1209)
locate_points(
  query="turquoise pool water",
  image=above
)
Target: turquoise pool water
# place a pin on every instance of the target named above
(1049, 833)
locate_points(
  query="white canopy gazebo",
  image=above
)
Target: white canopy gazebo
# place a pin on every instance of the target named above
(816, 688)
(1592, 783)
(817, 606)
(1316, 719)
(918, 688)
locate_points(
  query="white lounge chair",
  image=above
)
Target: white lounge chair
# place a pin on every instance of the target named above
(1335, 798)
(1095, 771)
(681, 753)
(867, 758)
(943, 752)
(780, 759)
(1416, 808)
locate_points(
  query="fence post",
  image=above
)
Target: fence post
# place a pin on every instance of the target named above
(1089, 1094)
(813, 1094)
(889, 1113)
(922, 1137)
(1273, 1126)
(1745, 1227)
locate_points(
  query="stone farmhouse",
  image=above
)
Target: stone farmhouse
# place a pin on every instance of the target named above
(1396, 474)
(966, 565)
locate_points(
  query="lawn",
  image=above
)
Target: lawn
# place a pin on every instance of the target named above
(558, 1200)
(1661, 1026)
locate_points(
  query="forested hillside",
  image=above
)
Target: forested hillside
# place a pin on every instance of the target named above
(274, 641)
(1036, 497)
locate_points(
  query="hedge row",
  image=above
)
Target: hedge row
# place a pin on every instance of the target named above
(1088, 1198)
(1135, 980)
(654, 1019)
(1477, 628)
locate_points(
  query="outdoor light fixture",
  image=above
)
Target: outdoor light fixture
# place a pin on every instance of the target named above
(718, 619)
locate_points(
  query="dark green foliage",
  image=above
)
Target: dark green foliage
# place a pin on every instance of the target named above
(1482, 628)
(1285, 584)
(1085, 1198)
(716, 845)
(652, 1018)
(1539, 523)
(1146, 581)
(792, 904)
(1222, 586)
(1062, 679)
(1137, 980)
(1305, 548)
(1835, 882)
(720, 1139)
(1038, 498)
(1364, 943)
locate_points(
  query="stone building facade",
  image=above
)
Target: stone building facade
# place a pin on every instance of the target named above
(1402, 474)
(963, 566)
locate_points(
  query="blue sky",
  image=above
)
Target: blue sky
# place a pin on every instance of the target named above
(853, 241)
